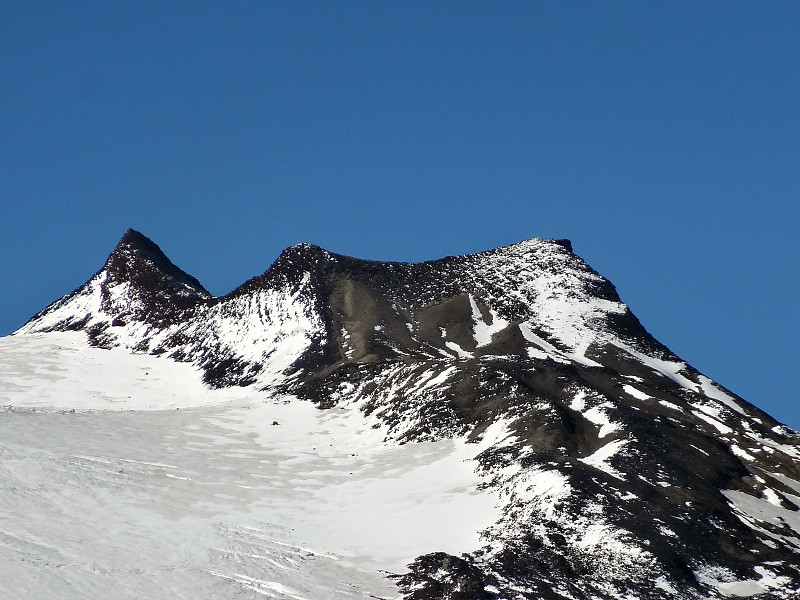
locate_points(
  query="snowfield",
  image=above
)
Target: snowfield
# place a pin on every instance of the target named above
(122, 476)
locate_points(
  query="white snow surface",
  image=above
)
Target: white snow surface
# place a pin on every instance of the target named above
(597, 414)
(636, 393)
(156, 487)
(485, 331)
(601, 457)
(559, 304)
(59, 370)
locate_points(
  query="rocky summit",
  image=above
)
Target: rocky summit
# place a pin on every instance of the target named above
(621, 472)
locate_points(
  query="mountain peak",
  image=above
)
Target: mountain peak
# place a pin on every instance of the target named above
(134, 237)
(138, 259)
(133, 241)
(618, 464)
(137, 283)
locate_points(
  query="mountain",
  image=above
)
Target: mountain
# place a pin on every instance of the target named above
(620, 470)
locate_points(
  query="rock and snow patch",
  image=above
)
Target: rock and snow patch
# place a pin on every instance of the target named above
(712, 390)
(599, 416)
(718, 425)
(601, 458)
(483, 331)
(726, 584)
(741, 453)
(767, 516)
(271, 328)
(85, 303)
(636, 393)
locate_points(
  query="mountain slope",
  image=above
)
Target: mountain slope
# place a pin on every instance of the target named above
(622, 471)
(137, 283)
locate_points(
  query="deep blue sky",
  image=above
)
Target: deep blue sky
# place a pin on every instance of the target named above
(662, 138)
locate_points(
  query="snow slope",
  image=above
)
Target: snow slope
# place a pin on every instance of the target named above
(156, 487)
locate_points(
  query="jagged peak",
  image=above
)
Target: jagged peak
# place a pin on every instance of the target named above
(132, 237)
(135, 244)
(135, 254)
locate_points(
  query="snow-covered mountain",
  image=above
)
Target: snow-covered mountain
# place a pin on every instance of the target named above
(598, 463)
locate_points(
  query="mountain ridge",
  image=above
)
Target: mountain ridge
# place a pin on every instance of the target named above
(621, 465)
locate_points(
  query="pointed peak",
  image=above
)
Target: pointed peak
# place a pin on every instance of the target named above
(303, 257)
(131, 234)
(134, 241)
(136, 254)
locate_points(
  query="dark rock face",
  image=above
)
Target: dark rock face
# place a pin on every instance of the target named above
(625, 473)
(138, 260)
(440, 575)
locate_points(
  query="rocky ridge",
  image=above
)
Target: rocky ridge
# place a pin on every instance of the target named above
(625, 472)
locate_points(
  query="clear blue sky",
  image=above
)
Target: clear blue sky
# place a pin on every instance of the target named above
(662, 138)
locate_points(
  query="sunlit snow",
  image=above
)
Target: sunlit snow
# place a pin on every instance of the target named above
(601, 457)
(483, 331)
(156, 487)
